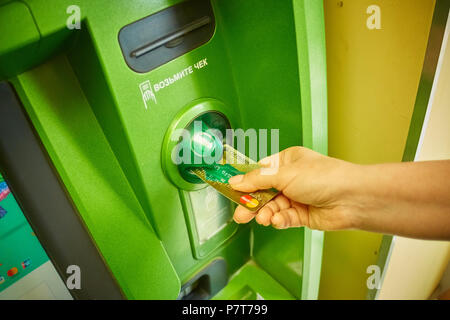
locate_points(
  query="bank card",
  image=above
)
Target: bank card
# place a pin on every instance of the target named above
(234, 163)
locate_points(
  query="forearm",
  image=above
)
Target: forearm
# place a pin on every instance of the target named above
(408, 199)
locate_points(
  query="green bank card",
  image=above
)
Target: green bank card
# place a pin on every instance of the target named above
(234, 163)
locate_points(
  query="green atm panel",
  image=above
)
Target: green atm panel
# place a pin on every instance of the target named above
(104, 96)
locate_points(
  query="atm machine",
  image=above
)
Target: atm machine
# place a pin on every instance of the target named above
(90, 93)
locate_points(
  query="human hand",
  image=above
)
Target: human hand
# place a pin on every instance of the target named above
(314, 191)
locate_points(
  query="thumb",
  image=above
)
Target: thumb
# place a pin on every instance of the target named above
(254, 180)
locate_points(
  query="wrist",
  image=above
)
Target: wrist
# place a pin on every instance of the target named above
(357, 198)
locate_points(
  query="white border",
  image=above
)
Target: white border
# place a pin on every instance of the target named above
(434, 88)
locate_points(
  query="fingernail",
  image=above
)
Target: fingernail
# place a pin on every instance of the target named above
(236, 179)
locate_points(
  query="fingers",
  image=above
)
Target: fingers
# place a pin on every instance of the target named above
(287, 218)
(293, 217)
(254, 180)
(274, 172)
(243, 215)
(284, 157)
(264, 216)
(281, 213)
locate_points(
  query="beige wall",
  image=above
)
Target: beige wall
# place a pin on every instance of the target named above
(373, 76)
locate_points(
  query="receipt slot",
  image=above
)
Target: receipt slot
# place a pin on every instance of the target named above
(106, 100)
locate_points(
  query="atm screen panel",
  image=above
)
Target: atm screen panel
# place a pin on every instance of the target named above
(26, 271)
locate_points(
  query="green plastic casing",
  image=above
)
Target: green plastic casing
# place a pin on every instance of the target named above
(266, 69)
